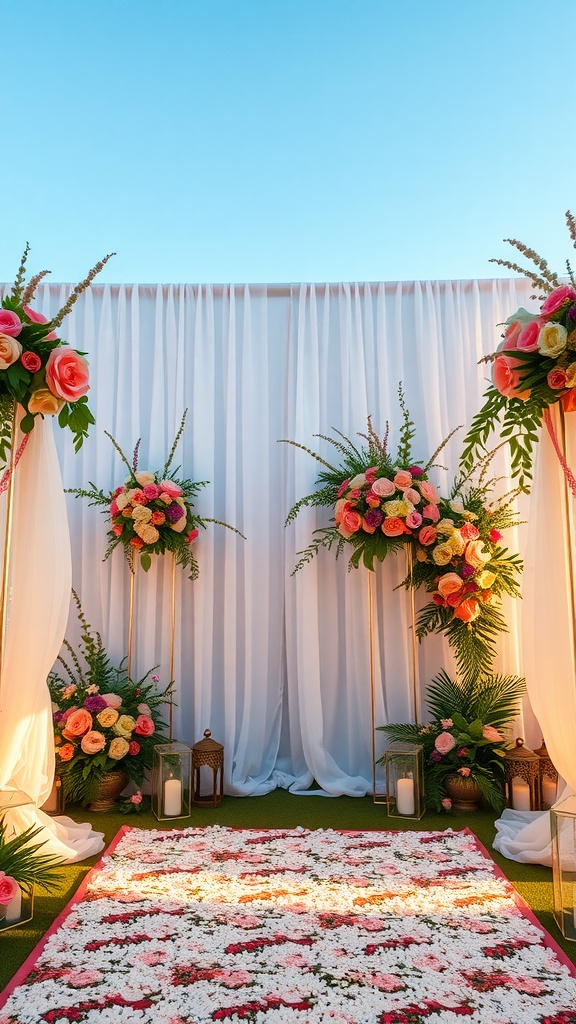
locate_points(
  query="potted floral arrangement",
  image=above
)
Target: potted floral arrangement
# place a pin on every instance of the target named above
(533, 368)
(464, 745)
(152, 513)
(38, 370)
(105, 724)
(22, 866)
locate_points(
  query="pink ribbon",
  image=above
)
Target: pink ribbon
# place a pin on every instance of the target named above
(8, 472)
(568, 474)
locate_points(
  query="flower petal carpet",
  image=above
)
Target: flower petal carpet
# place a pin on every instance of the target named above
(294, 926)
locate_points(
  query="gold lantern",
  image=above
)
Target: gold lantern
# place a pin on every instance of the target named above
(548, 778)
(522, 778)
(207, 754)
(563, 833)
(404, 764)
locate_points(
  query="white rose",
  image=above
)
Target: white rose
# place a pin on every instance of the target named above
(552, 340)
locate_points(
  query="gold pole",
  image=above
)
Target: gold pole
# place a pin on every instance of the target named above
(131, 616)
(7, 548)
(569, 528)
(415, 681)
(172, 635)
(378, 798)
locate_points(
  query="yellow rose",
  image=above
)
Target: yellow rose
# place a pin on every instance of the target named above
(107, 718)
(10, 351)
(445, 526)
(421, 555)
(118, 748)
(124, 726)
(141, 513)
(456, 542)
(442, 554)
(45, 402)
(485, 579)
(147, 532)
(398, 508)
(571, 374)
(552, 340)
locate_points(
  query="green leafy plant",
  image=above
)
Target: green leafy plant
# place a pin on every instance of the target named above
(152, 513)
(103, 720)
(21, 860)
(464, 734)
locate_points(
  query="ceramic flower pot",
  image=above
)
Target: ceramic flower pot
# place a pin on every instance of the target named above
(109, 789)
(465, 793)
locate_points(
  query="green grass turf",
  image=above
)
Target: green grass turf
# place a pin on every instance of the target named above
(279, 809)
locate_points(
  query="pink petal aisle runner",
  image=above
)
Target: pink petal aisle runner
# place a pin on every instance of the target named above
(280, 927)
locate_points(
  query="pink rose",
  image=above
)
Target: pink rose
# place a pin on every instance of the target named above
(393, 527)
(8, 888)
(114, 510)
(350, 523)
(67, 374)
(139, 498)
(413, 520)
(491, 734)
(372, 500)
(555, 300)
(528, 337)
(427, 535)
(429, 492)
(192, 536)
(403, 480)
(370, 474)
(39, 318)
(92, 742)
(383, 487)
(469, 531)
(136, 798)
(556, 378)
(511, 335)
(444, 743)
(343, 488)
(31, 361)
(152, 491)
(448, 584)
(412, 496)
(464, 772)
(10, 323)
(134, 748)
(144, 725)
(447, 803)
(113, 700)
(431, 512)
(169, 487)
(506, 378)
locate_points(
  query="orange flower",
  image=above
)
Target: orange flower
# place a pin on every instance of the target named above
(78, 723)
(137, 542)
(468, 610)
(66, 753)
(393, 527)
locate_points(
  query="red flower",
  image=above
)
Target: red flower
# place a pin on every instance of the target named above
(31, 361)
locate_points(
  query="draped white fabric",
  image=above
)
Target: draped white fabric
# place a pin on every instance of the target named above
(38, 598)
(277, 667)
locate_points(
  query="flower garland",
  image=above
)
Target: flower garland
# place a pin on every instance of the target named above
(381, 504)
(102, 719)
(38, 370)
(152, 513)
(533, 368)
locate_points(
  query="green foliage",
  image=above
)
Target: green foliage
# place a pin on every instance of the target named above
(21, 860)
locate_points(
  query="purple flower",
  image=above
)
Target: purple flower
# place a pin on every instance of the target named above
(435, 756)
(95, 704)
(572, 313)
(466, 571)
(58, 716)
(374, 517)
(174, 512)
(415, 470)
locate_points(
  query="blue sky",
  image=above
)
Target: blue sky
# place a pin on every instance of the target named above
(285, 140)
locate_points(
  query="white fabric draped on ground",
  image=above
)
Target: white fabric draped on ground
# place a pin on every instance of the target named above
(37, 612)
(277, 667)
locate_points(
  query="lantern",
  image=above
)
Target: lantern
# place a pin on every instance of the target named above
(522, 778)
(563, 832)
(207, 754)
(171, 780)
(404, 765)
(548, 778)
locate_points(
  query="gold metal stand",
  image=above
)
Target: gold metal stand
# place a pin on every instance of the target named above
(569, 527)
(7, 549)
(172, 635)
(131, 617)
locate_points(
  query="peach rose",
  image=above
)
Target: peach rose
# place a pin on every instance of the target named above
(67, 374)
(78, 723)
(107, 717)
(113, 700)
(144, 725)
(141, 513)
(45, 402)
(148, 533)
(444, 743)
(93, 742)
(66, 752)
(118, 529)
(383, 487)
(427, 535)
(367, 528)
(10, 323)
(557, 298)
(450, 583)
(412, 496)
(552, 340)
(169, 487)
(506, 378)
(403, 480)
(118, 748)
(468, 610)
(350, 523)
(10, 350)
(431, 512)
(475, 554)
(511, 335)
(429, 492)
(491, 734)
(144, 479)
(393, 527)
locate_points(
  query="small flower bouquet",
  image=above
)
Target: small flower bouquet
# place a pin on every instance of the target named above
(22, 865)
(38, 370)
(152, 513)
(533, 368)
(464, 736)
(102, 719)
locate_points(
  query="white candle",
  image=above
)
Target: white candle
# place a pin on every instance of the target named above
(405, 796)
(14, 908)
(520, 795)
(548, 791)
(172, 798)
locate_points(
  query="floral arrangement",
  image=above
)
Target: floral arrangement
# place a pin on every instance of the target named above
(381, 503)
(152, 513)
(533, 368)
(22, 865)
(38, 370)
(103, 720)
(464, 736)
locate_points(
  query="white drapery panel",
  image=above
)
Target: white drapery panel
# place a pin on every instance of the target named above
(277, 667)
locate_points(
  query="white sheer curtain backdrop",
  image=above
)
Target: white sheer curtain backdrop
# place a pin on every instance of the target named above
(277, 667)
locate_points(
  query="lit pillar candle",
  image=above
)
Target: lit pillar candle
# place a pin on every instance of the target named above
(548, 791)
(520, 795)
(172, 798)
(14, 908)
(405, 796)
